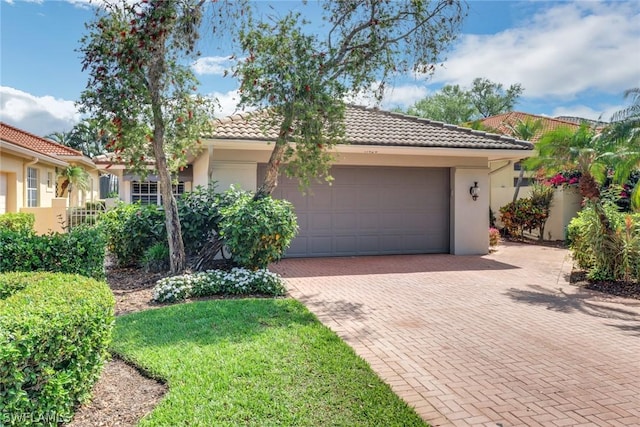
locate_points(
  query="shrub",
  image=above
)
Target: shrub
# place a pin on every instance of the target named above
(131, 229)
(156, 258)
(494, 237)
(54, 333)
(199, 212)
(19, 222)
(529, 213)
(615, 257)
(257, 232)
(80, 251)
(238, 281)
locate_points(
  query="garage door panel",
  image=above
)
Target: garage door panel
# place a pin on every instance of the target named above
(371, 210)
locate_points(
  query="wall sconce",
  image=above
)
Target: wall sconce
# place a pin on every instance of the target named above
(474, 191)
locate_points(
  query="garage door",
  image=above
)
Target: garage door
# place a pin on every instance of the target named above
(371, 211)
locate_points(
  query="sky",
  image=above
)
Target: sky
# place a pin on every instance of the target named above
(572, 58)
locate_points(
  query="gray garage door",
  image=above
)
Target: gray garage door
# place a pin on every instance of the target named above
(371, 211)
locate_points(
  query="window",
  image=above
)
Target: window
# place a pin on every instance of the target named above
(32, 187)
(148, 192)
(525, 182)
(517, 166)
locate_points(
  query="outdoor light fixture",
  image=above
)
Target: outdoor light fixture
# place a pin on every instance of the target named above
(474, 191)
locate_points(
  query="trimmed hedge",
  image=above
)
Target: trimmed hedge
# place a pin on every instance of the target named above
(80, 251)
(54, 333)
(19, 222)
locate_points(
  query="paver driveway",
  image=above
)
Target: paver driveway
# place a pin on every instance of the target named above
(498, 340)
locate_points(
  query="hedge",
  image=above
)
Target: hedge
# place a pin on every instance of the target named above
(19, 222)
(80, 251)
(54, 333)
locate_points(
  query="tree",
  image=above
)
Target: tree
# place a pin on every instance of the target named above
(73, 176)
(525, 130)
(141, 92)
(302, 79)
(491, 99)
(450, 105)
(86, 137)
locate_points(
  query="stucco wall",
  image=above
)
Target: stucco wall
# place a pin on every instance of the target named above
(49, 218)
(15, 168)
(469, 218)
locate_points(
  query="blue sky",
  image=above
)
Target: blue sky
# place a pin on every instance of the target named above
(571, 57)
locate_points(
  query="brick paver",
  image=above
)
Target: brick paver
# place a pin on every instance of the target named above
(498, 340)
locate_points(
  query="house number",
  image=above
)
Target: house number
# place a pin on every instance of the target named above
(371, 152)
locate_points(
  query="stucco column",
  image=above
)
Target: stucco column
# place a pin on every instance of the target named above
(469, 218)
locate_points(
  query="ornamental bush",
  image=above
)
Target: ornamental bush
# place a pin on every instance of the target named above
(529, 213)
(54, 333)
(80, 251)
(604, 257)
(131, 229)
(257, 232)
(18, 222)
(238, 281)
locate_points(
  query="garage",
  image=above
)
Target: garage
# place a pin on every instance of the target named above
(371, 211)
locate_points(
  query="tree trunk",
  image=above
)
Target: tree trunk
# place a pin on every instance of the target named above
(518, 183)
(177, 258)
(270, 181)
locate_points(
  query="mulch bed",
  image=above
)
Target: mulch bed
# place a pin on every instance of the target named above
(620, 289)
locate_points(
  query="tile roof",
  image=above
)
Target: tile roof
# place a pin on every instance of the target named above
(502, 123)
(35, 143)
(370, 126)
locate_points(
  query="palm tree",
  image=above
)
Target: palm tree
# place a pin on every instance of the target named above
(74, 176)
(525, 130)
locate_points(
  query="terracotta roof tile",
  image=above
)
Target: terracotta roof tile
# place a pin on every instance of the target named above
(502, 123)
(32, 142)
(367, 126)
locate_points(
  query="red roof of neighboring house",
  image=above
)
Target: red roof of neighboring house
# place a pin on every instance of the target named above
(36, 143)
(502, 123)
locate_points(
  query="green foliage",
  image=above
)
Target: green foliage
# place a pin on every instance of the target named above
(529, 213)
(238, 281)
(54, 333)
(606, 257)
(257, 232)
(81, 251)
(491, 99)
(18, 222)
(200, 215)
(156, 258)
(131, 229)
(449, 105)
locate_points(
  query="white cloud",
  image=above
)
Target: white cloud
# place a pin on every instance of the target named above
(588, 112)
(40, 115)
(227, 103)
(215, 65)
(562, 51)
(28, 1)
(402, 96)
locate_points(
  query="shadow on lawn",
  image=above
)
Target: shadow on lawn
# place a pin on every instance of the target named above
(586, 302)
(384, 264)
(209, 322)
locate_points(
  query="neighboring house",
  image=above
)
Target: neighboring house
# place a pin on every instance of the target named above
(504, 175)
(401, 186)
(29, 175)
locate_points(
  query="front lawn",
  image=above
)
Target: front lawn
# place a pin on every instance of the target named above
(258, 362)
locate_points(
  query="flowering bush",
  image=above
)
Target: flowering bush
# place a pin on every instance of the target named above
(238, 281)
(494, 237)
(563, 179)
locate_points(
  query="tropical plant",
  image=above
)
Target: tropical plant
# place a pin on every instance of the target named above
(73, 177)
(304, 78)
(525, 130)
(142, 91)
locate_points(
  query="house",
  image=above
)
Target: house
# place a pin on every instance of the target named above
(402, 184)
(504, 175)
(30, 168)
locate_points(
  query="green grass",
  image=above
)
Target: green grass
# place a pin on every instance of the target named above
(259, 362)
